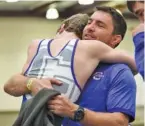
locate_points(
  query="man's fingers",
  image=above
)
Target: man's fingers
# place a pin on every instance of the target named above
(54, 102)
(55, 81)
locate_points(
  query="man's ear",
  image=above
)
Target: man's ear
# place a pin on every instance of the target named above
(116, 39)
(61, 28)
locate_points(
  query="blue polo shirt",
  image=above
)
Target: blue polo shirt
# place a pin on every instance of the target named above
(139, 52)
(111, 88)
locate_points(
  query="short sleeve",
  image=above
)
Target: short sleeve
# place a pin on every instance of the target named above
(122, 94)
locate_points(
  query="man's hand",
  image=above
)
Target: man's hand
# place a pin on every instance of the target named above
(62, 106)
(38, 84)
(138, 29)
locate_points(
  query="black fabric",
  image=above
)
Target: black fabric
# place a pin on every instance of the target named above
(34, 112)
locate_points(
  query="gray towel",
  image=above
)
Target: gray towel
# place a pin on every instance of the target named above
(34, 112)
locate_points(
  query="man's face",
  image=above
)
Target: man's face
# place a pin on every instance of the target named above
(138, 10)
(99, 27)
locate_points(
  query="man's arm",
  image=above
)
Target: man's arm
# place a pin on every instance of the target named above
(104, 119)
(120, 104)
(63, 107)
(16, 85)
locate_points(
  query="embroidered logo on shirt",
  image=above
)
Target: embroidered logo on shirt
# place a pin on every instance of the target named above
(98, 75)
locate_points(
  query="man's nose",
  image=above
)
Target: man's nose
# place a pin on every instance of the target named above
(91, 27)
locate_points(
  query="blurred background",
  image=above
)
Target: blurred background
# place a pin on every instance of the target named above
(21, 22)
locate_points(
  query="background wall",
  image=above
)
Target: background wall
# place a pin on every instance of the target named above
(16, 34)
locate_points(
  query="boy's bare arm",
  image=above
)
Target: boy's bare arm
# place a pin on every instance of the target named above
(105, 53)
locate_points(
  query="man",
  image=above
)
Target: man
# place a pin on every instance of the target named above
(137, 8)
(111, 91)
(118, 117)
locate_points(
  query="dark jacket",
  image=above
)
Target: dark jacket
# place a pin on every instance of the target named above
(34, 112)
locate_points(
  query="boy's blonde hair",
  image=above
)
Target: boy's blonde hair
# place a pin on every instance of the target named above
(76, 24)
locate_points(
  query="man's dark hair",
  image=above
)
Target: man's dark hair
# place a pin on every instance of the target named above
(131, 3)
(119, 22)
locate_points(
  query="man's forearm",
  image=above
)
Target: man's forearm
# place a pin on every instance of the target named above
(104, 119)
(16, 85)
